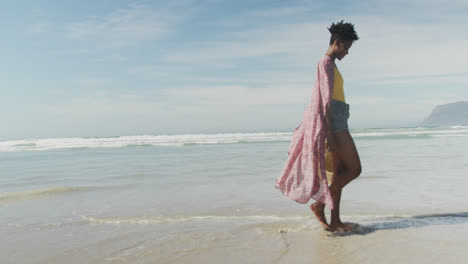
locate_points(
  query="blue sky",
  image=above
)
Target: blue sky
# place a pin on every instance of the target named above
(109, 68)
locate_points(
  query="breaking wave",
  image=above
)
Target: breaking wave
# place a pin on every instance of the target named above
(190, 140)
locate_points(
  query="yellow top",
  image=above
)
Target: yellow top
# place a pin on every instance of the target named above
(338, 93)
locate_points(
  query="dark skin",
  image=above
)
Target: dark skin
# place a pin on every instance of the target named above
(346, 162)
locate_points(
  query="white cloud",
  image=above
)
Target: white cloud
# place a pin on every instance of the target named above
(267, 69)
(102, 104)
(389, 52)
(154, 72)
(111, 58)
(77, 51)
(123, 26)
(293, 39)
(393, 49)
(279, 12)
(94, 81)
(203, 73)
(387, 47)
(242, 96)
(443, 81)
(39, 27)
(366, 100)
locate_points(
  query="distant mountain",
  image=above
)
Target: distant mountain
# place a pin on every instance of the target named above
(452, 114)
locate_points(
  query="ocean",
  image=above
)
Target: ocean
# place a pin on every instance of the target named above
(210, 198)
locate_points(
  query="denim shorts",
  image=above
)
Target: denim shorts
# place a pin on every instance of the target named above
(339, 115)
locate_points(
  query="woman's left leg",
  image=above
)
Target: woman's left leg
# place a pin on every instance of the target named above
(318, 208)
(348, 167)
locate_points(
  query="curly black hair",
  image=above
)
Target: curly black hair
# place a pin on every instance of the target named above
(343, 32)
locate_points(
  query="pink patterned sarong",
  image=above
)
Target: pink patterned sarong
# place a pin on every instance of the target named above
(304, 175)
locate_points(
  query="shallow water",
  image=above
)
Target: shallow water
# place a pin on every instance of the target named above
(211, 198)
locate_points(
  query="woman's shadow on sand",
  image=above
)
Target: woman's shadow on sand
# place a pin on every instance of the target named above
(389, 223)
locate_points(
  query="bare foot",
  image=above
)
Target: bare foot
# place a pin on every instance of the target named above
(346, 227)
(318, 209)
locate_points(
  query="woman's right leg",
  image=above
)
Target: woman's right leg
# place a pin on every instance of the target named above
(348, 167)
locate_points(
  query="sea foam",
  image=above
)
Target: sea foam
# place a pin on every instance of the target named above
(37, 193)
(189, 218)
(189, 140)
(138, 141)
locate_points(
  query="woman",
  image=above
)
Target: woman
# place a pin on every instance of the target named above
(324, 130)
